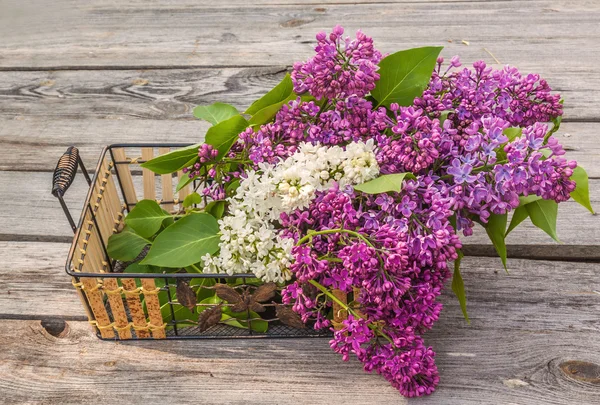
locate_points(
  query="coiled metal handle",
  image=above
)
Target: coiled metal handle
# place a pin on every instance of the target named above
(65, 171)
(63, 177)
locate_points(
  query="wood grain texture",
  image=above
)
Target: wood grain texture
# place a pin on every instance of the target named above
(525, 328)
(173, 93)
(99, 72)
(578, 229)
(102, 34)
(32, 144)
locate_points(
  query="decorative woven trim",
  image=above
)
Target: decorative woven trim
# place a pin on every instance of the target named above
(120, 290)
(113, 325)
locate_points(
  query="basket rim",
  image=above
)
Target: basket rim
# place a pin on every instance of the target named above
(86, 206)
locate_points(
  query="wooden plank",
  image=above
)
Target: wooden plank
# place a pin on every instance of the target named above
(102, 33)
(36, 144)
(173, 93)
(525, 329)
(26, 261)
(577, 228)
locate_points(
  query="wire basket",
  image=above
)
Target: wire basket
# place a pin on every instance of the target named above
(123, 305)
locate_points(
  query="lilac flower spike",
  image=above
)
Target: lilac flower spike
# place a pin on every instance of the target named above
(390, 252)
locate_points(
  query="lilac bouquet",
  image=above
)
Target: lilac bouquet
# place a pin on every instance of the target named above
(348, 185)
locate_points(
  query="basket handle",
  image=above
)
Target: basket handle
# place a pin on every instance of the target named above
(63, 177)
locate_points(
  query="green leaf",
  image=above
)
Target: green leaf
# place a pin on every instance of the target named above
(513, 133)
(240, 320)
(543, 215)
(126, 245)
(185, 242)
(172, 161)
(458, 286)
(216, 208)
(204, 296)
(277, 95)
(183, 181)
(496, 230)
(384, 183)
(581, 194)
(519, 215)
(530, 198)
(146, 218)
(232, 187)
(267, 113)
(555, 126)
(223, 135)
(404, 75)
(215, 113)
(192, 199)
(444, 116)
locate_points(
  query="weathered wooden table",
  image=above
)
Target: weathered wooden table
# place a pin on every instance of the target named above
(92, 73)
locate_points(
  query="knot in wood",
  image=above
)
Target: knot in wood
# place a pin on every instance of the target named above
(581, 371)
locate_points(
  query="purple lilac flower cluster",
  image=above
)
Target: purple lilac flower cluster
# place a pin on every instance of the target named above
(475, 141)
(206, 154)
(341, 68)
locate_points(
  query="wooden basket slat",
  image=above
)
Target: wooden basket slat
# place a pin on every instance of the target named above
(93, 263)
(125, 177)
(339, 313)
(115, 298)
(153, 307)
(167, 184)
(135, 308)
(100, 205)
(115, 204)
(185, 191)
(149, 178)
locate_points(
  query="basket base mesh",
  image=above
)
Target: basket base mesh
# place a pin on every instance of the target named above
(276, 329)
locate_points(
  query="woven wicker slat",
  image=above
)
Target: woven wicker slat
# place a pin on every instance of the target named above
(153, 306)
(125, 177)
(149, 180)
(167, 184)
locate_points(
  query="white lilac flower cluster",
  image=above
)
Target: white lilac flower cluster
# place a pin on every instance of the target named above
(249, 238)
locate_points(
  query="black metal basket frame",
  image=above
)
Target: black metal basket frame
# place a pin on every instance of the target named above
(178, 332)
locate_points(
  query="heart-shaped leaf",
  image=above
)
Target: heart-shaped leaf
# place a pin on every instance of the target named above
(384, 183)
(543, 214)
(278, 94)
(519, 215)
(581, 194)
(404, 75)
(185, 242)
(193, 198)
(458, 286)
(223, 135)
(184, 181)
(530, 198)
(496, 230)
(215, 113)
(512, 133)
(172, 161)
(146, 218)
(126, 245)
(242, 320)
